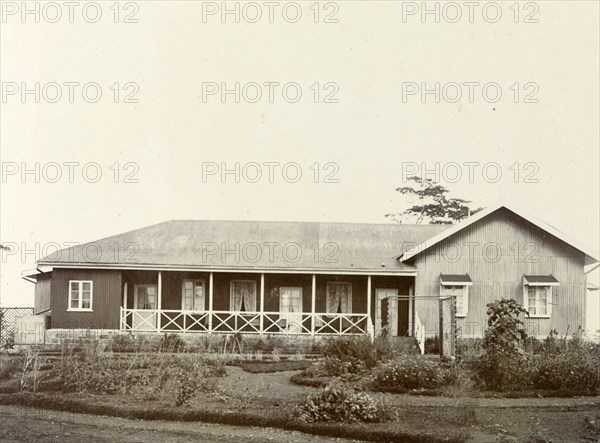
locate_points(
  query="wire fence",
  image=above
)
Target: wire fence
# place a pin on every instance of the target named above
(7, 322)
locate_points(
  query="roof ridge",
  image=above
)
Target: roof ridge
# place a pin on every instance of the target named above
(308, 222)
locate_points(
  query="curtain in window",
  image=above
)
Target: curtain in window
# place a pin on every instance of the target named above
(531, 300)
(338, 298)
(188, 288)
(74, 295)
(543, 303)
(243, 296)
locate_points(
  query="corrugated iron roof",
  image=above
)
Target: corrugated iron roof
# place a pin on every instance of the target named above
(534, 280)
(449, 279)
(255, 245)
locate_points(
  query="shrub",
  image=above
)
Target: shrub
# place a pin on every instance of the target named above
(432, 345)
(409, 372)
(572, 366)
(9, 367)
(131, 343)
(504, 365)
(341, 404)
(352, 349)
(171, 343)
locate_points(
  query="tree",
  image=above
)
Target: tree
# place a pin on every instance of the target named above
(434, 205)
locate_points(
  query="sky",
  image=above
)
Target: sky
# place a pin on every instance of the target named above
(499, 105)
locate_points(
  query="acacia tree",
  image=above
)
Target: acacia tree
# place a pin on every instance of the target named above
(434, 206)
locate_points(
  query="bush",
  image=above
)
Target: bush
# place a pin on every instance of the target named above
(572, 366)
(132, 343)
(171, 343)
(352, 349)
(9, 367)
(504, 365)
(405, 373)
(432, 345)
(341, 404)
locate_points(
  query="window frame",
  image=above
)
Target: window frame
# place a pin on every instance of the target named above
(231, 283)
(194, 281)
(80, 296)
(549, 300)
(281, 290)
(327, 292)
(446, 292)
(135, 295)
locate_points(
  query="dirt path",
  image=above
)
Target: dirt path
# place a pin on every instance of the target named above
(21, 424)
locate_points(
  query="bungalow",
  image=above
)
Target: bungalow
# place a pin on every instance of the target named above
(315, 279)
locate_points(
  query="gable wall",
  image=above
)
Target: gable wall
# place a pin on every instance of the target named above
(525, 249)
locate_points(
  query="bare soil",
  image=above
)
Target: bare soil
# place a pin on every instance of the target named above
(22, 424)
(272, 395)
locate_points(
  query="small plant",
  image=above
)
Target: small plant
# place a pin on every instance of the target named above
(9, 367)
(341, 404)
(409, 372)
(172, 343)
(30, 370)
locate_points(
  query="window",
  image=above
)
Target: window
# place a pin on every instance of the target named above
(145, 296)
(192, 295)
(242, 297)
(457, 286)
(339, 298)
(80, 295)
(537, 294)
(537, 300)
(461, 294)
(290, 300)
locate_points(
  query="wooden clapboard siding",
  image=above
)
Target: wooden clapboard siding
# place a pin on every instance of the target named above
(107, 296)
(495, 277)
(43, 287)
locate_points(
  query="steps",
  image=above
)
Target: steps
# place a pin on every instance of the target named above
(405, 345)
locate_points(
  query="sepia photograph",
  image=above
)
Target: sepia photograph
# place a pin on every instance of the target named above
(300, 221)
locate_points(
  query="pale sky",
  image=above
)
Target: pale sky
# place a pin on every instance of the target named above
(365, 61)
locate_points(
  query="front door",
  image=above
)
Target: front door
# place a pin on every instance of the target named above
(290, 308)
(145, 298)
(386, 314)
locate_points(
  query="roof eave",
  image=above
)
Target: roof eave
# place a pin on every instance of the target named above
(199, 268)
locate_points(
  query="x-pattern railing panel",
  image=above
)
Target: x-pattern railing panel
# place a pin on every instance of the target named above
(244, 322)
(196, 320)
